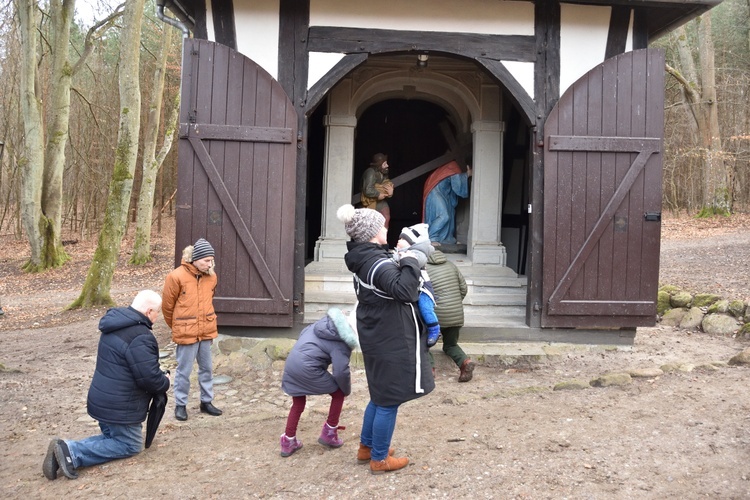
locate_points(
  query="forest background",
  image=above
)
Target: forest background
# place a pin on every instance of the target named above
(70, 164)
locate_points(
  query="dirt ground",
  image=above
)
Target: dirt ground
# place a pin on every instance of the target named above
(506, 434)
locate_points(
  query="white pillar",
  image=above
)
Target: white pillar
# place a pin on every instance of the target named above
(485, 246)
(337, 185)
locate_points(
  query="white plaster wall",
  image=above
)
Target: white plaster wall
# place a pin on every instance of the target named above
(256, 23)
(523, 72)
(583, 40)
(210, 22)
(320, 63)
(476, 16)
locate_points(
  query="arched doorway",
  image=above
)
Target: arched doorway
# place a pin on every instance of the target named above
(409, 132)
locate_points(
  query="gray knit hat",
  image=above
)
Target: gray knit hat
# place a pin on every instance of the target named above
(202, 249)
(361, 224)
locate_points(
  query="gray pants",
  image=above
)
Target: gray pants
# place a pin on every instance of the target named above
(186, 355)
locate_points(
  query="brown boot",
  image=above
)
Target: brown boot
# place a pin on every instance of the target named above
(389, 464)
(363, 454)
(467, 370)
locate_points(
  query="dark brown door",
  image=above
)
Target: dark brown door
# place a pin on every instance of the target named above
(602, 196)
(236, 181)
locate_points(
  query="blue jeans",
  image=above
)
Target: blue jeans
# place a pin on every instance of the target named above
(186, 356)
(115, 441)
(377, 429)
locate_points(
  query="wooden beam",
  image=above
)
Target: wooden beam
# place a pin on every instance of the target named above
(546, 94)
(293, 64)
(617, 37)
(374, 41)
(223, 16)
(325, 84)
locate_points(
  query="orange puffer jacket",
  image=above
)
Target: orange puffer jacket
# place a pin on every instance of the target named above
(188, 304)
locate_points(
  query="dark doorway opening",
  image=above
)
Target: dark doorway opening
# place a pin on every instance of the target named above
(408, 131)
(516, 188)
(314, 181)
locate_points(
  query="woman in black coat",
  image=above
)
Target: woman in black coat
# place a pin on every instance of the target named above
(393, 347)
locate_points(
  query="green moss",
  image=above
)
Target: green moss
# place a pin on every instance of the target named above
(662, 302)
(670, 289)
(705, 299)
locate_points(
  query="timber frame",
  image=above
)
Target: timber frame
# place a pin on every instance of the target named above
(297, 39)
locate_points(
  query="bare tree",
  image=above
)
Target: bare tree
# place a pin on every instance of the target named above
(152, 161)
(44, 164)
(699, 92)
(32, 159)
(96, 289)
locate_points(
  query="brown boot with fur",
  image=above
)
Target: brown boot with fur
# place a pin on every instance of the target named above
(363, 454)
(467, 370)
(387, 465)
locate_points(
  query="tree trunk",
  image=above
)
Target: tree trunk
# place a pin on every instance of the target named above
(53, 253)
(32, 161)
(701, 100)
(96, 289)
(717, 195)
(151, 161)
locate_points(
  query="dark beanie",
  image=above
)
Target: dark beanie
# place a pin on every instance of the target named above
(202, 249)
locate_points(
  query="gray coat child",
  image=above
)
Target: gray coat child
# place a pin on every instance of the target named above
(327, 342)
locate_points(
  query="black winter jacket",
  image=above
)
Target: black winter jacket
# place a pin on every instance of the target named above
(393, 347)
(127, 369)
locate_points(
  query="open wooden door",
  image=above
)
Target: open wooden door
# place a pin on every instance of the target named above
(602, 196)
(236, 181)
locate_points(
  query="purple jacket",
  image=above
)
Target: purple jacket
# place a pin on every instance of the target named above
(328, 341)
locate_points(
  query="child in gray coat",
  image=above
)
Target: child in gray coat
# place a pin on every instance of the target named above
(328, 341)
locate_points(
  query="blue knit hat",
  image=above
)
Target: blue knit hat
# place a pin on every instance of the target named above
(202, 249)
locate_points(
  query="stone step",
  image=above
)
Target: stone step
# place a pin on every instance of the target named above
(488, 313)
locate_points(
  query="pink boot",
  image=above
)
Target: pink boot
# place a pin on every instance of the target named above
(289, 445)
(329, 436)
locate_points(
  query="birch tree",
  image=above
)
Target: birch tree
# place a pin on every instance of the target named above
(151, 161)
(699, 93)
(96, 289)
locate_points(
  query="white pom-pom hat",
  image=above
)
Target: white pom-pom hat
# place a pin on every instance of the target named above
(361, 224)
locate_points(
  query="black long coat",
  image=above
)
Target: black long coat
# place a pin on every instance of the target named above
(393, 347)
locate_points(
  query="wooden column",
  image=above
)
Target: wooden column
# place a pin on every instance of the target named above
(546, 94)
(294, 21)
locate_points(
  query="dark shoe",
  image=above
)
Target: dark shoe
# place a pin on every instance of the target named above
(50, 465)
(210, 409)
(467, 370)
(180, 413)
(64, 460)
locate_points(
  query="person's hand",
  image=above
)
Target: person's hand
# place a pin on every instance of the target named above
(408, 253)
(469, 170)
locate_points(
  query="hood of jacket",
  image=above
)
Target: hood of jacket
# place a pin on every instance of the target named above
(118, 318)
(336, 328)
(187, 261)
(437, 257)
